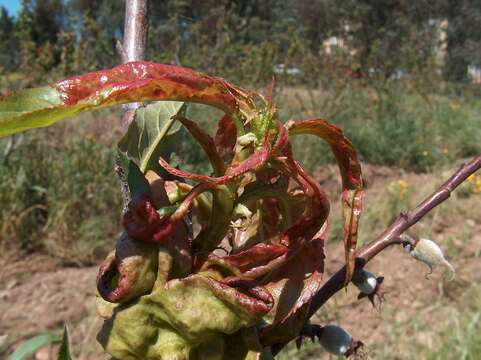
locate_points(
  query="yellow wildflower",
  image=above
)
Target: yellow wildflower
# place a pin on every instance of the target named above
(399, 188)
(454, 105)
(475, 183)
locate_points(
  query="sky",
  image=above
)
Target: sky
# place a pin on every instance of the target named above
(12, 6)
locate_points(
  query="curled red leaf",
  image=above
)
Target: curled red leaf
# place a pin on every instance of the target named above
(143, 80)
(226, 135)
(252, 163)
(142, 222)
(255, 256)
(282, 138)
(207, 144)
(317, 207)
(293, 285)
(253, 290)
(247, 296)
(128, 272)
(352, 184)
(106, 276)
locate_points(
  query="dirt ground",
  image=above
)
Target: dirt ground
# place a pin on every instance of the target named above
(38, 293)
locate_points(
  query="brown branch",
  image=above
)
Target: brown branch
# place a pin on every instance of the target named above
(391, 236)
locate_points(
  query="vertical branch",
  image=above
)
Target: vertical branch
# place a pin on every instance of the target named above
(133, 48)
(136, 27)
(135, 30)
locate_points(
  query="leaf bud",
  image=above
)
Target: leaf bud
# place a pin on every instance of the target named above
(365, 281)
(143, 222)
(338, 341)
(247, 139)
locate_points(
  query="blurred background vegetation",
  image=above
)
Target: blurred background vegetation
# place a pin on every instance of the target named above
(242, 40)
(401, 77)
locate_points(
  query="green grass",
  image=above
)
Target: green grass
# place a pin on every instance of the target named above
(395, 127)
(462, 339)
(60, 196)
(455, 335)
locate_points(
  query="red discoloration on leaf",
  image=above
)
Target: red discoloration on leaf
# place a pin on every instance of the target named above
(303, 264)
(352, 209)
(293, 285)
(207, 144)
(247, 295)
(282, 138)
(342, 148)
(128, 272)
(351, 179)
(266, 205)
(107, 272)
(142, 222)
(113, 283)
(255, 256)
(186, 204)
(311, 259)
(226, 135)
(317, 206)
(270, 217)
(143, 81)
(252, 163)
(263, 270)
(252, 289)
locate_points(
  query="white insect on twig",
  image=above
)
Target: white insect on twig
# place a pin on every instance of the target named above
(428, 252)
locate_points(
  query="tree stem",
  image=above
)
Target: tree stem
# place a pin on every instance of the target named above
(136, 27)
(135, 30)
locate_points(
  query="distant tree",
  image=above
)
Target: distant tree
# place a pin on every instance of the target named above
(318, 19)
(7, 40)
(464, 37)
(216, 35)
(24, 33)
(383, 32)
(237, 37)
(37, 31)
(99, 25)
(48, 20)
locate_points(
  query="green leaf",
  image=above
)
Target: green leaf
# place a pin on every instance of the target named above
(151, 133)
(31, 346)
(167, 210)
(187, 318)
(64, 351)
(31, 108)
(136, 180)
